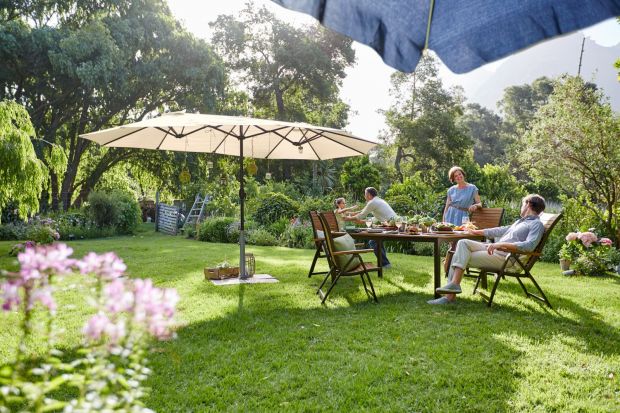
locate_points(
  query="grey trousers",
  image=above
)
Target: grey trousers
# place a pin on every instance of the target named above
(471, 253)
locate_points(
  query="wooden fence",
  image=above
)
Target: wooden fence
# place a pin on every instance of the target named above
(167, 218)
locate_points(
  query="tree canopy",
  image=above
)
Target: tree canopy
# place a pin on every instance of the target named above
(100, 64)
(574, 141)
(22, 174)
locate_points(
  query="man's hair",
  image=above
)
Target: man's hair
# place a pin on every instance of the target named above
(453, 170)
(337, 201)
(537, 202)
(371, 191)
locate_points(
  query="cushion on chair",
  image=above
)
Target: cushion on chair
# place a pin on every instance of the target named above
(320, 234)
(345, 243)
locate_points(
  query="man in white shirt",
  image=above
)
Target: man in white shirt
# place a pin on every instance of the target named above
(382, 211)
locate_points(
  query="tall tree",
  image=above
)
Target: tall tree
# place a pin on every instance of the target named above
(574, 141)
(21, 173)
(488, 133)
(97, 64)
(292, 73)
(423, 122)
(520, 103)
(284, 66)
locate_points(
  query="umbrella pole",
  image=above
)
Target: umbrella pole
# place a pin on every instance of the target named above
(242, 272)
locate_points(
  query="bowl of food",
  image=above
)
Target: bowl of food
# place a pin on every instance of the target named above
(442, 227)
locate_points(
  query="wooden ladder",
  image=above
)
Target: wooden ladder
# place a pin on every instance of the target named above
(197, 213)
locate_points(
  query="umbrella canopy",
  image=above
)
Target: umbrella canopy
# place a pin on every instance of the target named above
(231, 135)
(465, 34)
(261, 138)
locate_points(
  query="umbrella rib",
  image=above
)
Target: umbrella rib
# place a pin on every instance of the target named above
(124, 136)
(276, 145)
(264, 131)
(311, 147)
(226, 135)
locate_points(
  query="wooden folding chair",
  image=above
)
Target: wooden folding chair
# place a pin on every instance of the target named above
(352, 266)
(520, 265)
(483, 218)
(318, 242)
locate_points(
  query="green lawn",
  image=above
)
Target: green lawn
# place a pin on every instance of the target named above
(275, 347)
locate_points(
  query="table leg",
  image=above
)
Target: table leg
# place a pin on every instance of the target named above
(380, 257)
(437, 269)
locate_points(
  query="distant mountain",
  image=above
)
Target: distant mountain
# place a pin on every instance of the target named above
(551, 59)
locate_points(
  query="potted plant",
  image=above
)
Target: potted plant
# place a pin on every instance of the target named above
(589, 254)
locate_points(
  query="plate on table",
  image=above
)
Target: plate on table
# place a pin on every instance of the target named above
(443, 231)
(374, 230)
(389, 228)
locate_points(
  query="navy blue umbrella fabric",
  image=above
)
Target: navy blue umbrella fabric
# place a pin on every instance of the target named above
(465, 34)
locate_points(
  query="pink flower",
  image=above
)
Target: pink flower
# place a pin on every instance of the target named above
(116, 331)
(572, 236)
(587, 238)
(107, 266)
(53, 259)
(606, 241)
(95, 326)
(117, 298)
(44, 296)
(10, 295)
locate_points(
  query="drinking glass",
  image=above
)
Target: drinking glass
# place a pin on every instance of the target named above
(465, 220)
(368, 222)
(399, 222)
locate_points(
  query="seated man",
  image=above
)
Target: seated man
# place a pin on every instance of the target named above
(382, 211)
(522, 236)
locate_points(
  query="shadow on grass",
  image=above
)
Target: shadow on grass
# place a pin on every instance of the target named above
(400, 354)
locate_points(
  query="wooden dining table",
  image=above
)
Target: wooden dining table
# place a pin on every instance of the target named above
(436, 238)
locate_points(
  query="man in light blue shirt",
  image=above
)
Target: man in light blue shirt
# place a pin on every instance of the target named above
(522, 236)
(382, 211)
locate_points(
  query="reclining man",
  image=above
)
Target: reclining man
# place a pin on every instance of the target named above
(522, 236)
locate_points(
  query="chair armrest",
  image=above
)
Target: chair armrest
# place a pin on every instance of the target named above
(353, 252)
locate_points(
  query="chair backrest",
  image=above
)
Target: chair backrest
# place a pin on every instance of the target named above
(487, 217)
(332, 222)
(316, 224)
(549, 221)
(329, 238)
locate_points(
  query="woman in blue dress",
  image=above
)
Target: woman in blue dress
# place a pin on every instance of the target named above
(462, 199)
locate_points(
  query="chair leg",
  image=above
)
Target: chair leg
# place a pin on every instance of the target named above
(543, 297)
(329, 290)
(498, 277)
(372, 288)
(324, 281)
(314, 260)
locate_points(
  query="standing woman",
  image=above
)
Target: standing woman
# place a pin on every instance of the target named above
(462, 199)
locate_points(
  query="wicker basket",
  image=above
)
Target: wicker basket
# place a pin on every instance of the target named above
(221, 273)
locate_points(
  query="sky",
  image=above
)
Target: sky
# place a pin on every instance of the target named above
(366, 87)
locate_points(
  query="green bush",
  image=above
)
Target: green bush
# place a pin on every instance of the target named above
(415, 195)
(297, 236)
(42, 234)
(215, 229)
(12, 232)
(103, 209)
(277, 228)
(272, 207)
(129, 213)
(261, 236)
(315, 204)
(234, 228)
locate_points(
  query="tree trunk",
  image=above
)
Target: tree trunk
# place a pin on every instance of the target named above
(399, 157)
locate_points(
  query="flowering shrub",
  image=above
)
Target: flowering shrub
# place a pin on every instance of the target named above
(590, 255)
(21, 247)
(108, 372)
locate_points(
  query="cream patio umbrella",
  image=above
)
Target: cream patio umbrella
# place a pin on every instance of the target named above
(236, 136)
